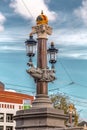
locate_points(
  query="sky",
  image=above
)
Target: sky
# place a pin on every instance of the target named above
(68, 18)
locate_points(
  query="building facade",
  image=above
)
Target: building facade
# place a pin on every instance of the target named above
(10, 102)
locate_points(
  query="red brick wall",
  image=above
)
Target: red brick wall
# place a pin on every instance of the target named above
(13, 97)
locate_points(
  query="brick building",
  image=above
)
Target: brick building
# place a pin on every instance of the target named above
(10, 102)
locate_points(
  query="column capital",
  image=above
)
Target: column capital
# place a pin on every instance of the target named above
(42, 30)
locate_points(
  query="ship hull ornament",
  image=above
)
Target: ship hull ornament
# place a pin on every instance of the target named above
(42, 75)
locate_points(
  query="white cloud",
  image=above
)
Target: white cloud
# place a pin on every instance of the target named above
(1, 28)
(2, 20)
(74, 54)
(6, 38)
(11, 48)
(30, 9)
(70, 37)
(72, 43)
(81, 12)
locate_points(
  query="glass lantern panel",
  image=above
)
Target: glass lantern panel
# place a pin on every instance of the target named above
(34, 49)
(55, 56)
(52, 56)
(30, 49)
(27, 49)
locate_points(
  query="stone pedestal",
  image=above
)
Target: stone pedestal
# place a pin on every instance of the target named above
(40, 119)
(42, 116)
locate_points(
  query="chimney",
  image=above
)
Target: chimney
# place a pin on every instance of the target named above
(2, 86)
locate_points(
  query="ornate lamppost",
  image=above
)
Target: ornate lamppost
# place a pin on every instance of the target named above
(42, 115)
(41, 74)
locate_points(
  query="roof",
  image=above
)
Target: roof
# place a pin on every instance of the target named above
(13, 97)
(82, 123)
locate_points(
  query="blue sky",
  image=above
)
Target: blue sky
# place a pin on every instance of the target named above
(68, 18)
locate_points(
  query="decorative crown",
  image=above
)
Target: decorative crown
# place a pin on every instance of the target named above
(41, 19)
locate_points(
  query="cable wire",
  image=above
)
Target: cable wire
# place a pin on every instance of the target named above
(66, 71)
(27, 8)
(17, 85)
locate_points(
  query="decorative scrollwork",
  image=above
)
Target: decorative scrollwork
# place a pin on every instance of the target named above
(42, 30)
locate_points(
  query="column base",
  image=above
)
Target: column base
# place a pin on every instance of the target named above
(42, 101)
(40, 119)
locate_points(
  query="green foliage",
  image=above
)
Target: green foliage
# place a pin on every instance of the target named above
(60, 101)
(76, 118)
(63, 102)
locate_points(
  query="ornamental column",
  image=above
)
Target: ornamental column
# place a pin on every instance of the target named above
(42, 115)
(42, 29)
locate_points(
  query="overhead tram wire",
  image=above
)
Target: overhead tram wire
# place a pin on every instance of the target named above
(20, 90)
(68, 94)
(17, 85)
(83, 104)
(81, 85)
(66, 71)
(71, 83)
(27, 8)
(77, 98)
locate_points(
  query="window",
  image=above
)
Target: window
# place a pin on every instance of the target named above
(9, 127)
(2, 105)
(1, 117)
(13, 106)
(9, 117)
(20, 107)
(1, 128)
(7, 105)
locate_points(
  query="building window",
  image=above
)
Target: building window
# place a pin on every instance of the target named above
(2, 105)
(13, 106)
(9, 127)
(1, 117)
(9, 117)
(1, 128)
(7, 105)
(20, 107)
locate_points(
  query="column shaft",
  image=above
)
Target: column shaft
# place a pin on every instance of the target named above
(42, 87)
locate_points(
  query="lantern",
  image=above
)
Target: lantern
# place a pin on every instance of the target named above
(52, 51)
(30, 46)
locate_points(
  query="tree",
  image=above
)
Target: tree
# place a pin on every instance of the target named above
(61, 101)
